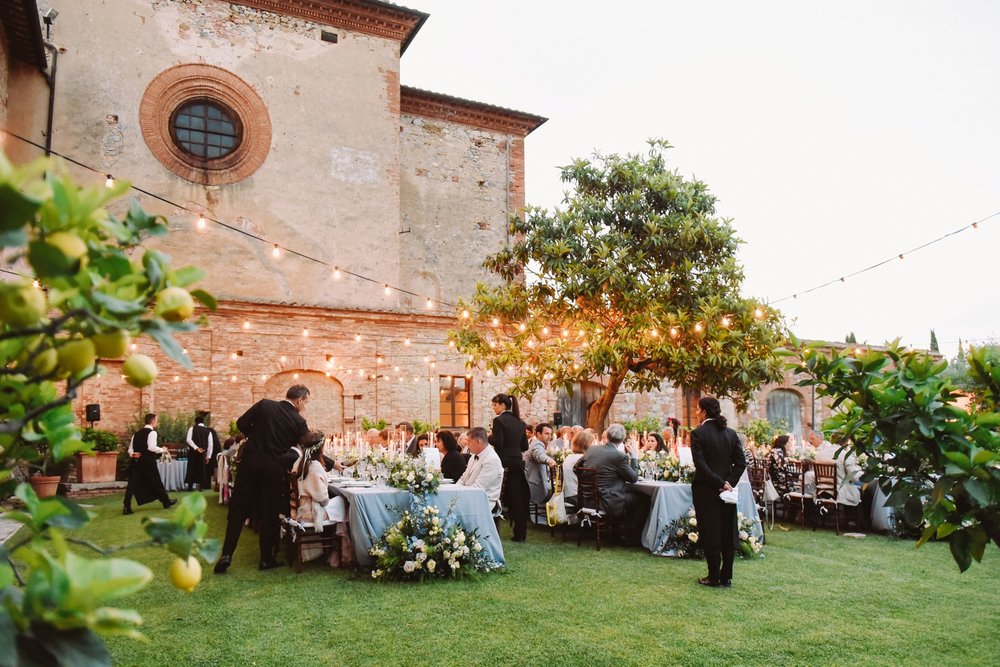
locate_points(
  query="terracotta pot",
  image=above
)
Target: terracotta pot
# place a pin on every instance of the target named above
(101, 467)
(45, 486)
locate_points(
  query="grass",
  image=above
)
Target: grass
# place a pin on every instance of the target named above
(816, 599)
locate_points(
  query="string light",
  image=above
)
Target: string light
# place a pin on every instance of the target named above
(282, 359)
(387, 290)
(295, 376)
(246, 325)
(36, 284)
(758, 313)
(901, 255)
(204, 378)
(378, 360)
(465, 314)
(232, 379)
(305, 333)
(134, 347)
(697, 326)
(177, 378)
(725, 321)
(406, 341)
(336, 273)
(451, 343)
(673, 332)
(655, 333)
(521, 326)
(201, 224)
(496, 322)
(276, 251)
(233, 356)
(545, 331)
(109, 181)
(357, 338)
(429, 304)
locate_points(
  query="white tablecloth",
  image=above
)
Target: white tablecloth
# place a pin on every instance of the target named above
(172, 474)
(372, 509)
(671, 500)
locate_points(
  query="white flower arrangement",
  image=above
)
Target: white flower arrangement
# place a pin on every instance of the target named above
(413, 475)
(558, 453)
(424, 545)
(680, 538)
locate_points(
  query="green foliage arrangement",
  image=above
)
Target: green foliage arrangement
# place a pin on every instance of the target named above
(635, 279)
(367, 424)
(102, 441)
(420, 427)
(648, 424)
(77, 297)
(763, 431)
(938, 464)
(171, 427)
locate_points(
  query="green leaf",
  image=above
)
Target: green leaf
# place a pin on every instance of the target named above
(120, 307)
(924, 536)
(945, 529)
(17, 208)
(186, 275)
(960, 544)
(979, 491)
(169, 345)
(72, 648)
(205, 298)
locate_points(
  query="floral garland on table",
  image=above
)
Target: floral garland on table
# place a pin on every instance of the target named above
(667, 466)
(414, 475)
(680, 538)
(422, 545)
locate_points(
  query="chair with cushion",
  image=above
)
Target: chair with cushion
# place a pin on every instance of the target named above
(589, 514)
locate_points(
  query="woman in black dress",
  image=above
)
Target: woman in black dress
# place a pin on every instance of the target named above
(452, 463)
(509, 440)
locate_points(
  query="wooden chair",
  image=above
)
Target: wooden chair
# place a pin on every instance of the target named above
(302, 535)
(536, 511)
(588, 496)
(826, 492)
(757, 473)
(796, 470)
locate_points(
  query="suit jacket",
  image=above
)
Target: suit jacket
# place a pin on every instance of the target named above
(536, 471)
(614, 469)
(272, 428)
(486, 472)
(411, 447)
(718, 455)
(508, 438)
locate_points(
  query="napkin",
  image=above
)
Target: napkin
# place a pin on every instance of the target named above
(730, 496)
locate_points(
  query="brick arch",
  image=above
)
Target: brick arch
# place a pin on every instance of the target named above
(180, 83)
(325, 411)
(774, 408)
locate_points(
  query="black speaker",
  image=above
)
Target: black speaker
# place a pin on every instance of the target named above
(557, 418)
(93, 412)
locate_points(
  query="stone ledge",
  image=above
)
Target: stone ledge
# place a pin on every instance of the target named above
(92, 489)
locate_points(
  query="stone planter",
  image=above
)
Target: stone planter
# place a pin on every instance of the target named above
(45, 486)
(101, 467)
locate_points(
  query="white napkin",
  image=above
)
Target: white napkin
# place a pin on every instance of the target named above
(731, 496)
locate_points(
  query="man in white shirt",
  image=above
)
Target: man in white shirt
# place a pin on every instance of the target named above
(825, 450)
(144, 481)
(485, 469)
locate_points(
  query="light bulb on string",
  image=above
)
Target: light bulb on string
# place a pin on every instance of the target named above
(357, 338)
(492, 345)
(295, 376)
(975, 225)
(565, 333)
(305, 333)
(177, 378)
(451, 343)
(521, 326)
(433, 365)
(655, 333)
(697, 326)
(246, 325)
(725, 321)
(336, 273)
(378, 360)
(545, 331)
(465, 314)
(37, 284)
(406, 341)
(232, 379)
(387, 290)
(758, 313)
(673, 332)
(282, 359)
(429, 304)
(134, 347)
(201, 224)
(109, 181)
(496, 322)
(426, 359)
(263, 377)
(901, 255)
(276, 251)
(204, 378)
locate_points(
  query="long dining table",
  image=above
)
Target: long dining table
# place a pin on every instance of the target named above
(672, 500)
(372, 508)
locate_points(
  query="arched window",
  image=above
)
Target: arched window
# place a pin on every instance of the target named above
(786, 404)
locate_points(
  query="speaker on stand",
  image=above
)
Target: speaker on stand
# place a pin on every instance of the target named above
(93, 413)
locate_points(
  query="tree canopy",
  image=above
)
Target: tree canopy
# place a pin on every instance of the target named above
(633, 281)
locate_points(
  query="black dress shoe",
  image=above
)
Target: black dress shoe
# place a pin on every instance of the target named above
(127, 510)
(269, 565)
(223, 564)
(725, 583)
(170, 503)
(706, 581)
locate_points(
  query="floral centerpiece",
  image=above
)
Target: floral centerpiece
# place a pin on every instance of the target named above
(414, 475)
(666, 466)
(422, 545)
(560, 454)
(680, 538)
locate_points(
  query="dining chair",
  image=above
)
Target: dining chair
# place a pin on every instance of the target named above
(588, 496)
(795, 471)
(300, 535)
(826, 492)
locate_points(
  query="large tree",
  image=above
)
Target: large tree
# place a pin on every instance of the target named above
(633, 280)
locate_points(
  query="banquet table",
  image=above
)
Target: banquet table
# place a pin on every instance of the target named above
(881, 516)
(372, 509)
(672, 500)
(172, 473)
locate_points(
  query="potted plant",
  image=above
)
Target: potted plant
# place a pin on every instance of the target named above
(101, 465)
(48, 471)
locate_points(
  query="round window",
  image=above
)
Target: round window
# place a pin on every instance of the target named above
(206, 129)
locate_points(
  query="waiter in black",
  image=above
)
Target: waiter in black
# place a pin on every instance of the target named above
(718, 464)
(272, 428)
(510, 442)
(144, 481)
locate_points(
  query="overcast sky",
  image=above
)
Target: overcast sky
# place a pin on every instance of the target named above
(834, 134)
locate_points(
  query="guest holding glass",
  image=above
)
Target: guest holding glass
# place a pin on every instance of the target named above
(718, 464)
(452, 464)
(653, 442)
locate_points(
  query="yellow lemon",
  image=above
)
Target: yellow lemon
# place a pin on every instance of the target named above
(76, 356)
(111, 345)
(185, 574)
(22, 305)
(174, 304)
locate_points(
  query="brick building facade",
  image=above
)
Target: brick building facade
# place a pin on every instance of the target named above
(325, 153)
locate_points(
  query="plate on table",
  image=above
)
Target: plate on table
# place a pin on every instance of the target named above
(353, 483)
(447, 480)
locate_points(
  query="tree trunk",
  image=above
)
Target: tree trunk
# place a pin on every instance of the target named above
(600, 408)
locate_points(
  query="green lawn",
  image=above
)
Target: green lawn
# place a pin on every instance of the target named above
(815, 599)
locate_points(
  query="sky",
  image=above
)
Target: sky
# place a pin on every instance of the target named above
(835, 135)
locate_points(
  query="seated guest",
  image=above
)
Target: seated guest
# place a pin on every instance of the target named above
(372, 437)
(314, 496)
(529, 431)
(776, 466)
(535, 463)
(485, 469)
(565, 437)
(452, 464)
(407, 440)
(654, 443)
(383, 438)
(581, 443)
(622, 504)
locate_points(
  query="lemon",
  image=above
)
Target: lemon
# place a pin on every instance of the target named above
(185, 574)
(22, 305)
(76, 356)
(139, 370)
(174, 304)
(111, 345)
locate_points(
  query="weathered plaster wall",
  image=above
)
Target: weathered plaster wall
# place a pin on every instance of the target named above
(330, 184)
(454, 190)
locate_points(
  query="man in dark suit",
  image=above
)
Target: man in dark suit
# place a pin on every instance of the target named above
(508, 439)
(718, 464)
(144, 483)
(615, 470)
(407, 438)
(272, 428)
